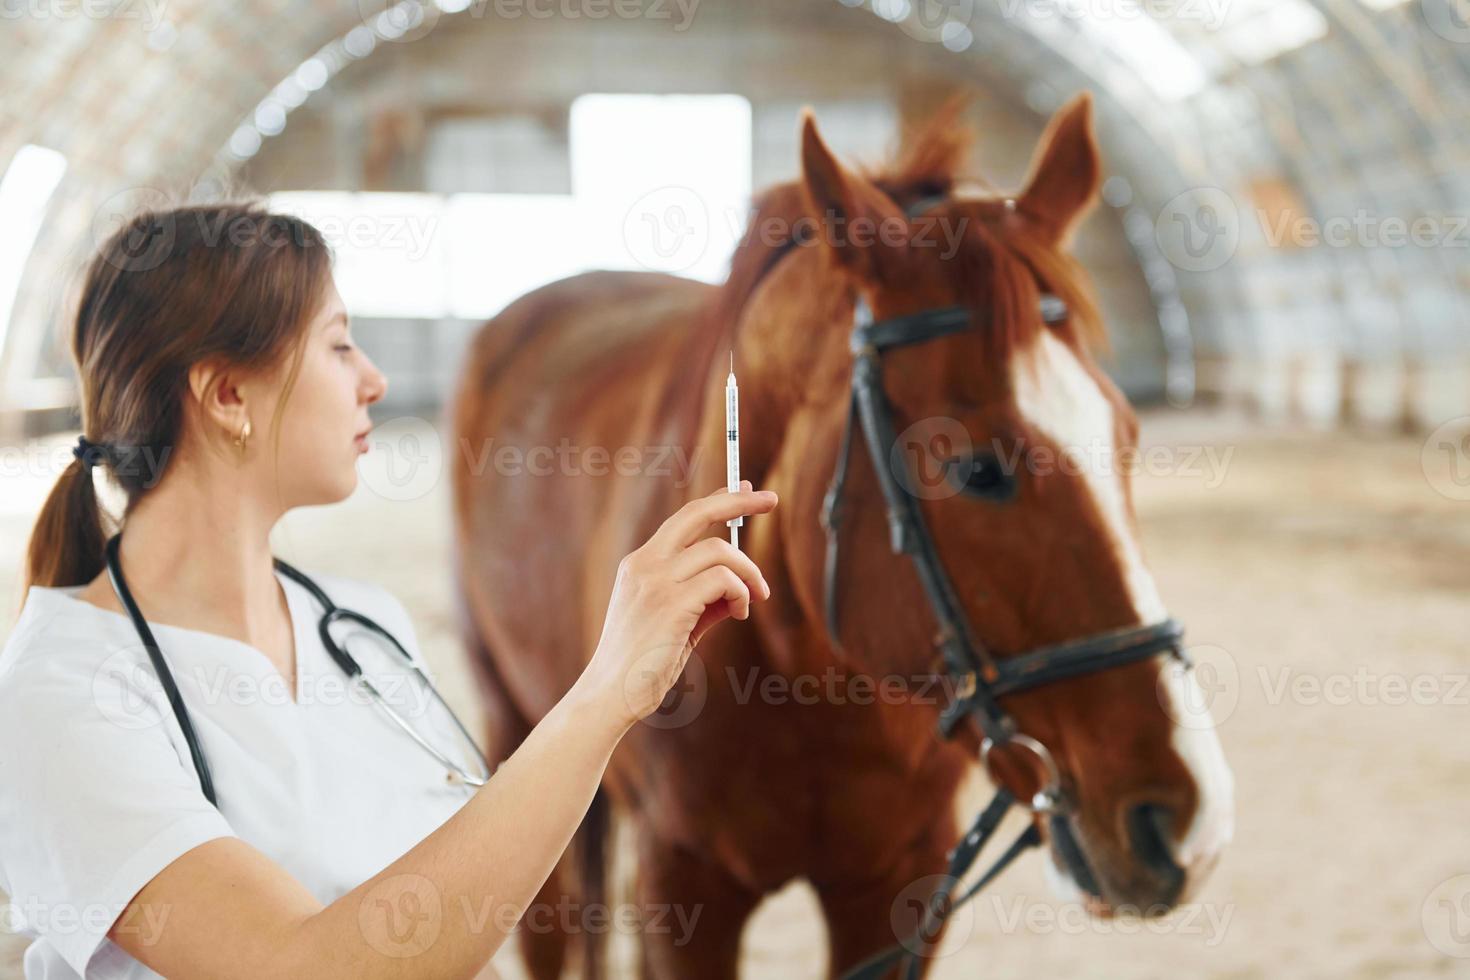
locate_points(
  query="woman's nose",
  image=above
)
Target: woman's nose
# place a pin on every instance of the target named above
(376, 385)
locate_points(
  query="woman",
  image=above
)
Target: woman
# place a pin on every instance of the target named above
(220, 389)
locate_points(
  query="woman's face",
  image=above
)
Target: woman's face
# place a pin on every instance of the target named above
(326, 423)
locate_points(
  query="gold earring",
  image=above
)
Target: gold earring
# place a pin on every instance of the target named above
(244, 435)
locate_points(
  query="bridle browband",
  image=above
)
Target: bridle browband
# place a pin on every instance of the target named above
(979, 677)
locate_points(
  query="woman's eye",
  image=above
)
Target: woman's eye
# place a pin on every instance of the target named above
(984, 477)
(343, 347)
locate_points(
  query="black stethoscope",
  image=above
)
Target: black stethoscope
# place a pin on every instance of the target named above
(345, 660)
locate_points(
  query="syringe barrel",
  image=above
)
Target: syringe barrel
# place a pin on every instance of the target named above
(732, 446)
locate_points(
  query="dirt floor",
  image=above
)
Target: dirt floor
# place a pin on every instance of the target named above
(1325, 580)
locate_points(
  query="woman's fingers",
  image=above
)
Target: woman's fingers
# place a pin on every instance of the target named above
(692, 521)
(709, 552)
(714, 584)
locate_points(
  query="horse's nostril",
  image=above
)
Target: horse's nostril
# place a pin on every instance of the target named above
(1151, 832)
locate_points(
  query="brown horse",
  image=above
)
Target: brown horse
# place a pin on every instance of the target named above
(591, 409)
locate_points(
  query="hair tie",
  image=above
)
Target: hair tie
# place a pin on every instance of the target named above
(89, 452)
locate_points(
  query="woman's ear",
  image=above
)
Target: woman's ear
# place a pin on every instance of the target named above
(217, 396)
(1065, 173)
(865, 230)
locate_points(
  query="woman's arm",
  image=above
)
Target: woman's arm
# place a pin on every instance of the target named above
(443, 909)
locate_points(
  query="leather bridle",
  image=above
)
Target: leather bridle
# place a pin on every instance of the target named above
(979, 678)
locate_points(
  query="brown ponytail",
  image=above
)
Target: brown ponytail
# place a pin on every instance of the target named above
(167, 290)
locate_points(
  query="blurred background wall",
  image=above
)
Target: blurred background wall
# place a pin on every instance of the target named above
(1284, 219)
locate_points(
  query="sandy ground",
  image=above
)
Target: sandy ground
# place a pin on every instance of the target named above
(1325, 581)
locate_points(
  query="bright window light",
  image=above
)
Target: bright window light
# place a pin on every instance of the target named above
(1153, 54)
(389, 248)
(659, 183)
(662, 181)
(499, 246)
(25, 191)
(1383, 4)
(1259, 30)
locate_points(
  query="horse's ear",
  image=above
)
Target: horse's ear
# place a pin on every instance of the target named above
(1066, 172)
(852, 213)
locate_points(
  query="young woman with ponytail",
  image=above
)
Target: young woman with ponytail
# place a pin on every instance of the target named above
(220, 388)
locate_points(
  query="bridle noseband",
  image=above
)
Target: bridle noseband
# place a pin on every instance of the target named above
(979, 677)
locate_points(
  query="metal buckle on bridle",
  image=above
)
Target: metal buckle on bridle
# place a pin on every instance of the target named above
(1049, 798)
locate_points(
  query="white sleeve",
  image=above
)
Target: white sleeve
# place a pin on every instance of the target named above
(95, 798)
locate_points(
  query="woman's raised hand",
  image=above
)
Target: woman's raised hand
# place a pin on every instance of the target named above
(667, 594)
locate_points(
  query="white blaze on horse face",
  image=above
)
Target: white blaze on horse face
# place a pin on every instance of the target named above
(1057, 395)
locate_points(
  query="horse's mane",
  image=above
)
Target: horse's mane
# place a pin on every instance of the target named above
(929, 165)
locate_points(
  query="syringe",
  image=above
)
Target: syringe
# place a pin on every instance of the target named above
(732, 446)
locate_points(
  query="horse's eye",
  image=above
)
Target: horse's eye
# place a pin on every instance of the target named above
(983, 476)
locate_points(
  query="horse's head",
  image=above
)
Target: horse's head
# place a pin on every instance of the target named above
(1011, 439)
